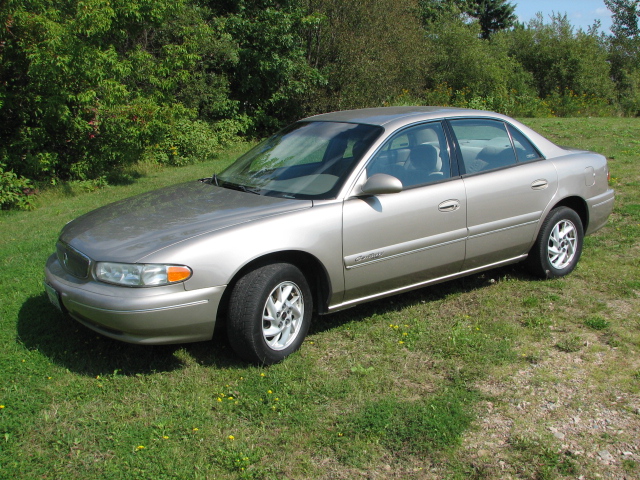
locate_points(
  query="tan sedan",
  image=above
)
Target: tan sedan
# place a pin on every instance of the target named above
(332, 211)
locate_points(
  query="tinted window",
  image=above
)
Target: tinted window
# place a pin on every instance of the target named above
(484, 144)
(416, 156)
(524, 148)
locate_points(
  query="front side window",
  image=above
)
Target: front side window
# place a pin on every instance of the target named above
(484, 144)
(416, 156)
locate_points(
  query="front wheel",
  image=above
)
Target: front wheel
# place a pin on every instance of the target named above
(269, 313)
(558, 246)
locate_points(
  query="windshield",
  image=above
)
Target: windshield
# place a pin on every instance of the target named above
(307, 160)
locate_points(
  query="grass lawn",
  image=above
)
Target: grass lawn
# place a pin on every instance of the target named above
(493, 376)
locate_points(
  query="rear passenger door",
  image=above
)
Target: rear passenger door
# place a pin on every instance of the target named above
(508, 186)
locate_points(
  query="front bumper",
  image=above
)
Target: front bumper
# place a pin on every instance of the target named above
(155, 315)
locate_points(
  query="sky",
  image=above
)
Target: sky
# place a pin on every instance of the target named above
(580, 13)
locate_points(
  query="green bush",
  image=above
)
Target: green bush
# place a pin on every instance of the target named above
(571, 104)
(565, 65)
(15, 191)
(87, 90)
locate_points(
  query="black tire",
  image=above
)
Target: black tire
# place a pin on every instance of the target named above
(558, 246)
(249, 326)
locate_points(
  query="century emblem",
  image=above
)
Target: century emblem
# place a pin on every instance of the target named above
(370, 256)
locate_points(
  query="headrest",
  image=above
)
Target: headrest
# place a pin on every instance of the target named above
(424, 157)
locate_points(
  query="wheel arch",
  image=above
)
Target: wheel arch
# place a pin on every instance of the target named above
(578, 205)
(313, 270)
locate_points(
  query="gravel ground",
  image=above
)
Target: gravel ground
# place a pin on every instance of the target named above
(574, 409)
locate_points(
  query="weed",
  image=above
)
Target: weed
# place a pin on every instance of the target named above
(537, 322)
(360, 370)
(596, 323)
(570, 344)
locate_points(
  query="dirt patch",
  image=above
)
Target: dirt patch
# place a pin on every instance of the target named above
(557, 414)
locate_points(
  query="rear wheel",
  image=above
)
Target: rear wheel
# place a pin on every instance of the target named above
(558, 246)
(269, 313)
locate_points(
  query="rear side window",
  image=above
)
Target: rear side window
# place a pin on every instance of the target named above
(484, 144)
(525, 150)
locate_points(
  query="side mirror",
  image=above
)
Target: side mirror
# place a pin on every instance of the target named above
(381, 183)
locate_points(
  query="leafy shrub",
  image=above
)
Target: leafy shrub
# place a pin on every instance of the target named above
(571, 104)
(184, 142)
(15, 191)
(86, 90)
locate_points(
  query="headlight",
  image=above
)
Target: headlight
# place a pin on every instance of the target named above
(141, 275)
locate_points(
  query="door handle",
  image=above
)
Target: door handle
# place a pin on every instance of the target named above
(449, 206)
(539, 184)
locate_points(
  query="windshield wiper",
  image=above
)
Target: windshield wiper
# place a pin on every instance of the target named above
(210, 180)
(241, 188)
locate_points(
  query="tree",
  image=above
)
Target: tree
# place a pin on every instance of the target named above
(493, 15)
(272, 79)
(469, 66)
(432, 11)
(370, 51)
(625, 15)
(563, 62)
(624, 52)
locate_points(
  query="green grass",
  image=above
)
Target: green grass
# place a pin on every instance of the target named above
(399, 387)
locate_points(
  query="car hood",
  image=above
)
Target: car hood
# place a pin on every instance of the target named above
(130, 229)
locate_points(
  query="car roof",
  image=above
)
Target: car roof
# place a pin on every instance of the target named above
(383, 116)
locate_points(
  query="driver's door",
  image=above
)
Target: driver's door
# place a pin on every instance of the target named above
(404, 239)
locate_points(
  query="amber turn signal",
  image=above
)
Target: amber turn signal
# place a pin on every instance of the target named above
(178, 274)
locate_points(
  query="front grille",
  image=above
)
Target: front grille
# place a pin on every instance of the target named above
(74, 262)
